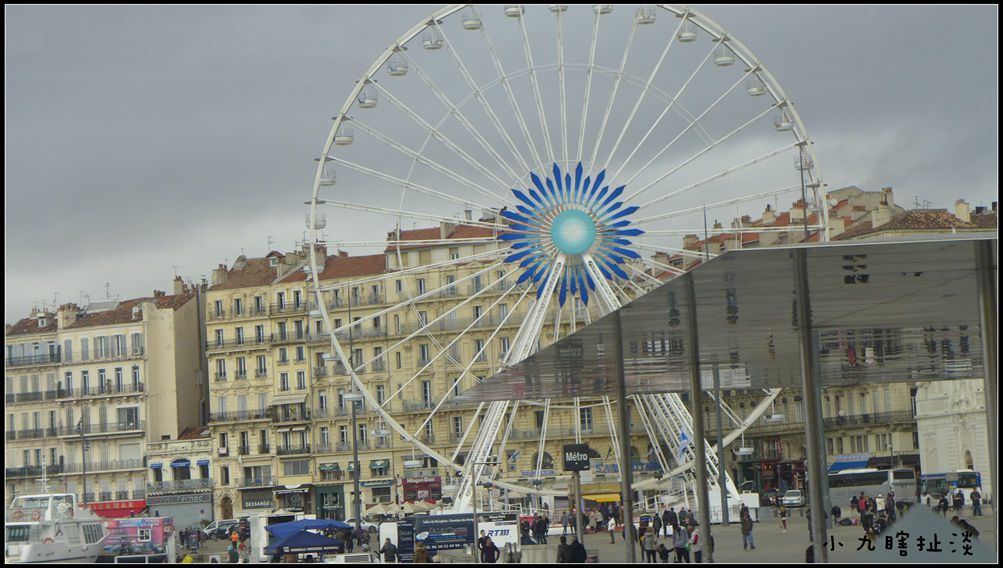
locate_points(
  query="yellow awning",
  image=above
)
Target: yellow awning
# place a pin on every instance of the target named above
(601, 497)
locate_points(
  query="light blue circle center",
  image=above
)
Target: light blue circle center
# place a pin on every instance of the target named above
(573, 231)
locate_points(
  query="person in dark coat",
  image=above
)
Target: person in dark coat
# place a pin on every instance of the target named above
(669, 519)
(578, 553)
(389, 552)
(563, 551)
(489, 554)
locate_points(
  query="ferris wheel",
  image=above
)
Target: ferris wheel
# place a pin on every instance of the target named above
(529, 169)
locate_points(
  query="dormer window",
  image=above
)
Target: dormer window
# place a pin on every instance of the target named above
(273, 261)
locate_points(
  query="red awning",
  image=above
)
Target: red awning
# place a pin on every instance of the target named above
(117, 509)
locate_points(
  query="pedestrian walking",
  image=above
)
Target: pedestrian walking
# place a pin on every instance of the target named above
(563, 551)
(783, 517)
(861, 505)
(421, 553)
(680, 541)
(663, 552)
(747, 541)
(233, 555)
(649, 544)
(656, 523)
(942, 505)
(976, 503)
(578, 553)
(959, 501)
(389, 552)
(890, 507)
(565, 521)
(611, 526)
(668, 519)
(695, 545)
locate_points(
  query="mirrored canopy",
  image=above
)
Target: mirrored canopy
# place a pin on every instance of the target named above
(883, 311)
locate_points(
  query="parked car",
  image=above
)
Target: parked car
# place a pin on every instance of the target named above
(792, 498)
(220, 528)
(366, 525)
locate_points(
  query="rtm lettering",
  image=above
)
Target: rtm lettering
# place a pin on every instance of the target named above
(498, 532)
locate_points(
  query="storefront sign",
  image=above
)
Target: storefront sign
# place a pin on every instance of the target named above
(381, 483)
(179, 499)
(117, 509)
(637, 466)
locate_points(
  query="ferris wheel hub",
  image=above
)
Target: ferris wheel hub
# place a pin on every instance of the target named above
(573, 231)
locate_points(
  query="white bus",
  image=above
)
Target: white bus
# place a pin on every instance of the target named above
(843, 485)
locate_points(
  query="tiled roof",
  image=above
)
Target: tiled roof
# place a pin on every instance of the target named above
(122, 313)
(915, 220)
(256, 272)
(985, 220)
(30, 325)
(341, 266)
(434, 233)
(191, 433)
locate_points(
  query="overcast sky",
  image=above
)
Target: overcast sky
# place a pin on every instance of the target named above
(148, 141)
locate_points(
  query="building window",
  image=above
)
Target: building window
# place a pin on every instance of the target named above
(84, 352)
(283, 355)
(585, 420)
(239, 335)
(300, 380)
(421, 285)
(381, 393)
(457, 426)
(238, 306)
(426, 393)
(283, 381)
(219, 308)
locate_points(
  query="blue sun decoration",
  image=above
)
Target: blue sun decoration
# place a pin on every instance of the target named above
(570, 217)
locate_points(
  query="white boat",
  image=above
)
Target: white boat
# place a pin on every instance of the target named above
(51, 527)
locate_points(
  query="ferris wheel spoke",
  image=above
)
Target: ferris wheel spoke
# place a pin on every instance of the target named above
(419, 157)
(405, 183)
(612, 97)
(433, 132)
(477, 355)
(652, 435)
(689, 126)
(675, 271)
(710, 207)
(424, 296)
(588, 86)
(664, 112)
(640, 98)
(511, 98)
(415, 215)
(467, 430)
(679, 251)
(645, 275)
(495, 121)
(709, 147)
(562, 80)
(536, 91)
(719, 175)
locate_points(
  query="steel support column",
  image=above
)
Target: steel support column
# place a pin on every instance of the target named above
(623, 415)
(696, 412)
(813, 418)
(986, 278)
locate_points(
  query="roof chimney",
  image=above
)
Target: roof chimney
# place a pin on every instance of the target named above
(219, 275)
(963, 211)
(769, 217)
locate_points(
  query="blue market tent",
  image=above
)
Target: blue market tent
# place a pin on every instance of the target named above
(304, 541)
(281, 530)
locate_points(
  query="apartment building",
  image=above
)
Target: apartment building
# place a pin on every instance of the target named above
(281, 426)
(876, 425)
(87, 388)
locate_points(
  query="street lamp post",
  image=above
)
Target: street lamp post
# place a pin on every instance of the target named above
(353, 398)
(83, 452)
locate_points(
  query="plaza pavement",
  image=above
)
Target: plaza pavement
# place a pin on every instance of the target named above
(772, 544)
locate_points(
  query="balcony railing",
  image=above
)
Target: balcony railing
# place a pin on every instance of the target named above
(33, 470)
(290, 450)
(257, 482)
(104, 466)
(296, 416)
(288, 308)
(104, 428)
(238, 415)
(32, 360)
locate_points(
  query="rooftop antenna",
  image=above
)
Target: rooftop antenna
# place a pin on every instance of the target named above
(107, 290)
(924, 204)
(270, 241)
(175, 268)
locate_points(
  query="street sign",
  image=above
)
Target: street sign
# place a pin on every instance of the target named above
(576, 457)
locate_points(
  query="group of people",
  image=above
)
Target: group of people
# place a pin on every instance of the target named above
(538, 527)
(958, 502)
(874, 513)
(681, 539)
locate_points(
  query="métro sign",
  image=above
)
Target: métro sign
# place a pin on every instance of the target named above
(576, 457)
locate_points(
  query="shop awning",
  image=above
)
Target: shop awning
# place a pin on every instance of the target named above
(602, 497)
(156, 466)
(202, 462)
(379, 464)
(181, 463)
(328, 467)
(289, 399)
(117, 509)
